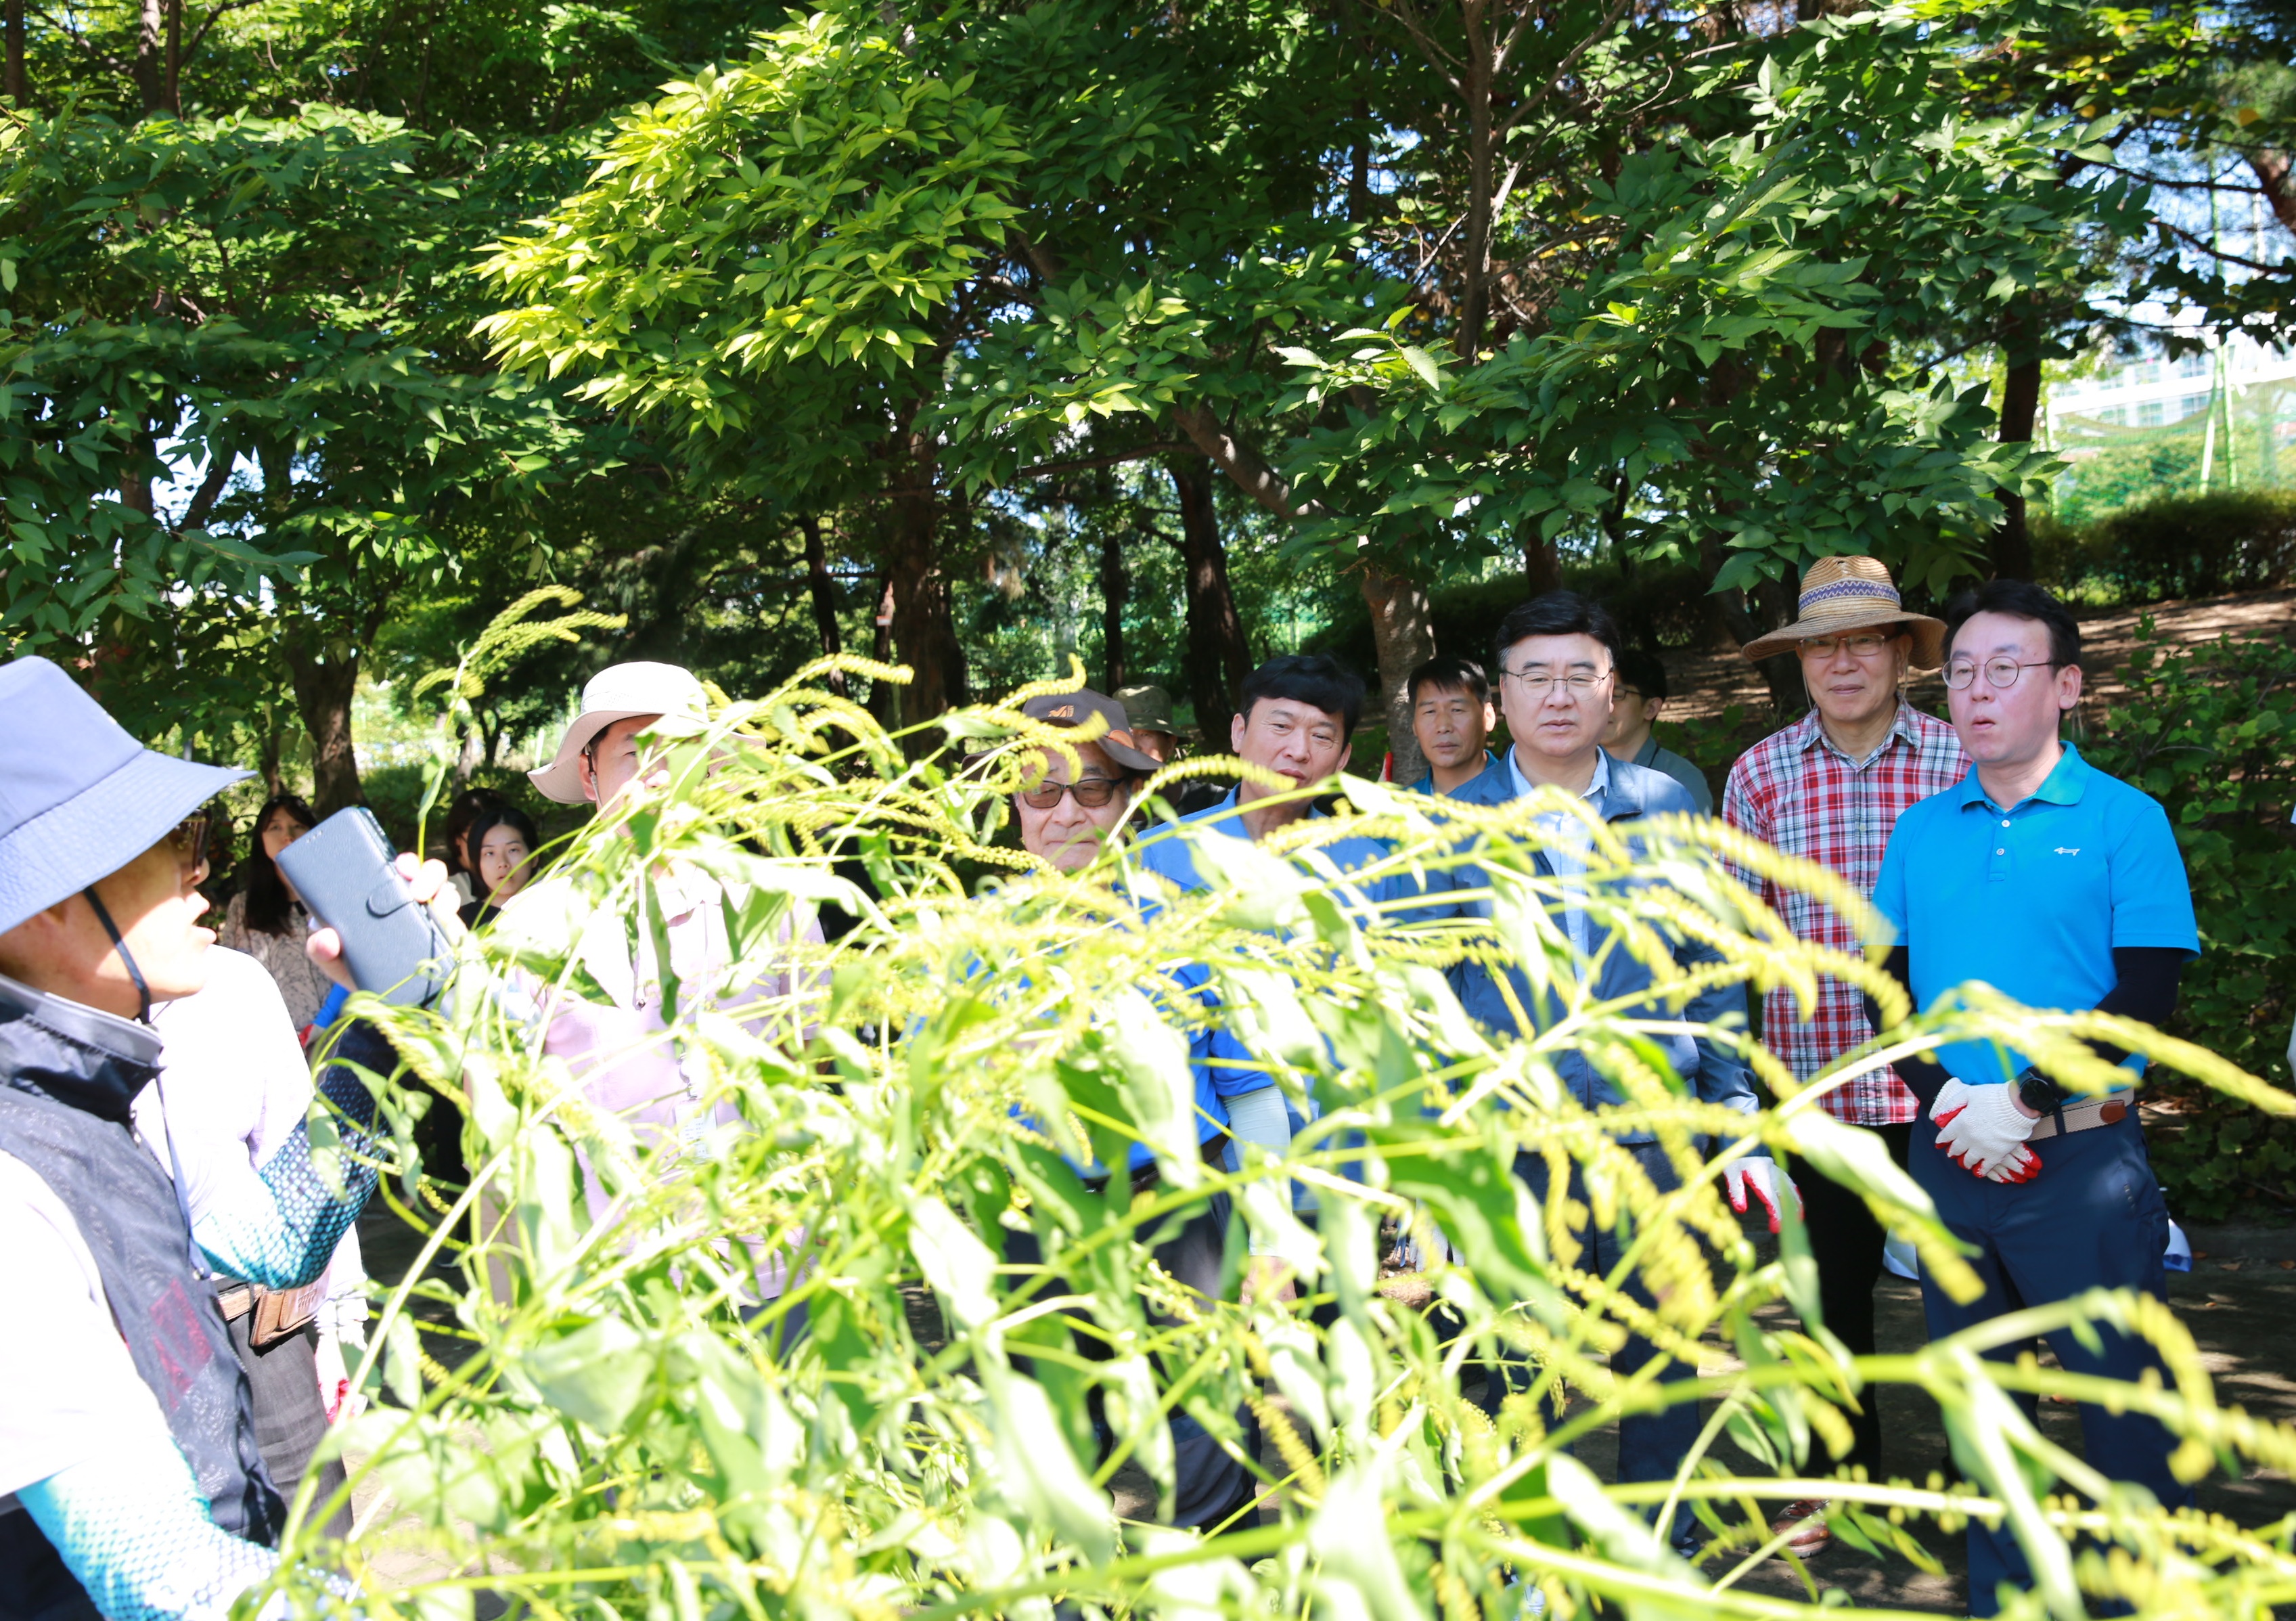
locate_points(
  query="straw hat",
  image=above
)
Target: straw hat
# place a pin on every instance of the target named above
(1845, 594)
(618, 692)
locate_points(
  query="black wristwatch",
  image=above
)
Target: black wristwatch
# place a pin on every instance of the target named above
(2042, 1095)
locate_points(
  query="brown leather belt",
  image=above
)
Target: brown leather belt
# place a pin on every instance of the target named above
(279, 1313)
(2086, 1115)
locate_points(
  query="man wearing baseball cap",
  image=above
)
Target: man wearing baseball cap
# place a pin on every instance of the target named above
(1830, 787)
(130, 1475)
(613, 1048)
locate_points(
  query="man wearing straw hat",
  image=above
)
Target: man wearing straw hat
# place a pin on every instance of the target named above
(1829, 788)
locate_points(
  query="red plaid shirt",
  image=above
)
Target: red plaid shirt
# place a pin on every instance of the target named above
(1795, 789)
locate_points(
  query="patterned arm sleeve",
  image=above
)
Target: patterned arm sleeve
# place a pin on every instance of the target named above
(130, 1522)
(280, 1227)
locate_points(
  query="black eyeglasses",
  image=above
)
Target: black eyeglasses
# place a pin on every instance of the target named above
(189, 840)
(2002, 672)
(1091, 792)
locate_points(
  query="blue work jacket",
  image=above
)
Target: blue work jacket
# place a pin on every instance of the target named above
(1165, 852)
(1426, 783)
(1711, 1075)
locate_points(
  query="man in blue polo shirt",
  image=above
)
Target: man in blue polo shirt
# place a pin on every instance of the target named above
(2059, 885)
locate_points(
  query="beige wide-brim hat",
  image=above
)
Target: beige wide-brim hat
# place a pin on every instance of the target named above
(618, 692)
(1843, 593)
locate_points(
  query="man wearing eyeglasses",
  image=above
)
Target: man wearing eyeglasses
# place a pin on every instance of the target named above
(1829, 788)
(1558, 659)
(2051, 881)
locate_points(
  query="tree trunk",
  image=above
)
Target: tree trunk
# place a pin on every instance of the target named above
(884, 697)
(151, 58)
(1475, 248)
(173, 88)
(1542, 570)
(1219, 657)
(825, 599)
(2276, 174)
(267, 759)
(324, 679)
(1773, 605)
(17, 82)
(1405, 637)
(924, 634)
(1115, 591)
(2020, 405)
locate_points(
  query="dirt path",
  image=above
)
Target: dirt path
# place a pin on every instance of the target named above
(1707, 684)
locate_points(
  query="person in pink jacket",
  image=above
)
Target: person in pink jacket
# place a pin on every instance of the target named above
(618, 1050)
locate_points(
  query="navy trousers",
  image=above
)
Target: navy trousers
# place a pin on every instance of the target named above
(1210, 1489)
(1652, 1445)
(2094, 1218)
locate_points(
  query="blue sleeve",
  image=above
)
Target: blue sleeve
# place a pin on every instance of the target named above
(281, 1229)
(2152, 898)
(1163, 850)
(131, 1525)
(1723, 1077)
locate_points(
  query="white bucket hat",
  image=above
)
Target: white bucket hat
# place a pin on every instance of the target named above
(618, 692)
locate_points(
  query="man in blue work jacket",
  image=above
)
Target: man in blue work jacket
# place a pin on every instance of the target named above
(1295, 717)
(2059, 885)
(1451, 719)
(1557, 658)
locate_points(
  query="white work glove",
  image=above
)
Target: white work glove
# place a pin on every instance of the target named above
(1982, 1130)
(1764, 1179)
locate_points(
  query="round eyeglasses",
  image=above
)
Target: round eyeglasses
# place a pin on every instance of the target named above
(1537, 684)
(1091, 792)
(1998, 672)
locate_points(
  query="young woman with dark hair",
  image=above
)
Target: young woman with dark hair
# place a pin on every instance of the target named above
(462, 854)
(502, 841)
(267, 920)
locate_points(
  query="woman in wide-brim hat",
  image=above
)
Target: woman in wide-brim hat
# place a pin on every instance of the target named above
(1842, 596)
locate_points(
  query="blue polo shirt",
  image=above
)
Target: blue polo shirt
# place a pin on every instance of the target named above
(2032, 900)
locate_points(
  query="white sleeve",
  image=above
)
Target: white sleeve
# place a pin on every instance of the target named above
(1259, 1116)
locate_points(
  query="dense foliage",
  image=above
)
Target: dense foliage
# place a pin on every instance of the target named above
(2210, 732)
(582, 1417)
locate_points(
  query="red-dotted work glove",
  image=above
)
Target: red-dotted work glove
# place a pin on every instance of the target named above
(1982, 1130)
(1763, 1177)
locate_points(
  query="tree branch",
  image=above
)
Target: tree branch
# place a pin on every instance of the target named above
(1244, 466)
(199, 34)
(210, 491)
(1083, 463)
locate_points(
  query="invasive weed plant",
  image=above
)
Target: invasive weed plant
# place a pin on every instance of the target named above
(582, 1409)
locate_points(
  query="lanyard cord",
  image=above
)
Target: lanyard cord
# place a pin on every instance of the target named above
(167, 1132)
(128, 960)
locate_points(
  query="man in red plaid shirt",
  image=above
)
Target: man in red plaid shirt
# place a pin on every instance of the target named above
(1829, 788)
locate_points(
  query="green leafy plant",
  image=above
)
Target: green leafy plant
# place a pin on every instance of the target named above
(2210, 732)
(589, 1417)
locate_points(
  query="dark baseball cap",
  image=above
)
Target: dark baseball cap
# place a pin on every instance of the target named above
(1078, 708)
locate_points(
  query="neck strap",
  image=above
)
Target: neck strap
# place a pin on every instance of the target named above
(127, 958)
